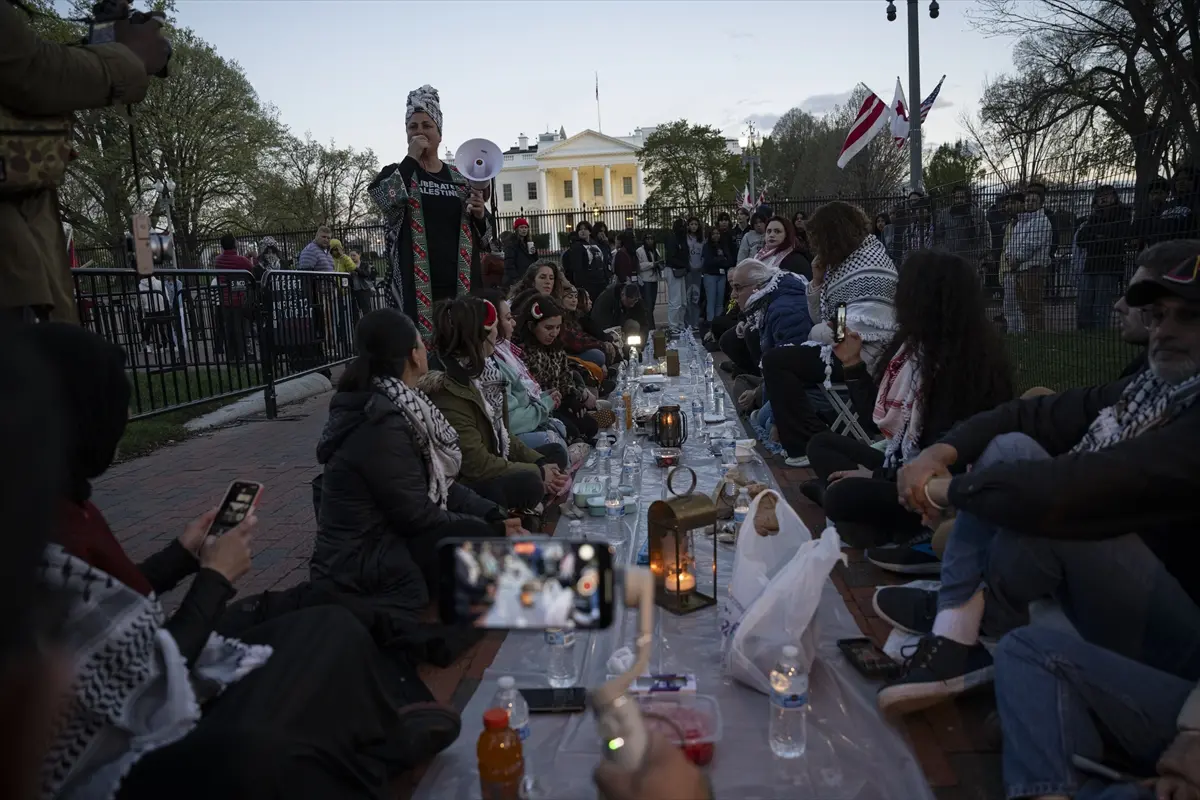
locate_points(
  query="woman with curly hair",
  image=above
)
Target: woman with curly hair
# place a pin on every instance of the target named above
(545, 277)
(945, 363)
(850, 270)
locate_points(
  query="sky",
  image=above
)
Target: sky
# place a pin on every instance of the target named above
(342, 69)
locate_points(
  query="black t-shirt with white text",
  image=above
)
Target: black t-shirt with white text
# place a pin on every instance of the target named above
(443, 216)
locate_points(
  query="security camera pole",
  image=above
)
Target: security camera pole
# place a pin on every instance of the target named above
(914, 84)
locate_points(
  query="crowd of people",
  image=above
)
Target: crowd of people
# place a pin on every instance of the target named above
(1055, 521)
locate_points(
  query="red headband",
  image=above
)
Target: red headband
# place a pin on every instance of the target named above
(489, 316)
(535, 310)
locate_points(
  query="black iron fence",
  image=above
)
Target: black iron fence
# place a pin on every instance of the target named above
(198, 336)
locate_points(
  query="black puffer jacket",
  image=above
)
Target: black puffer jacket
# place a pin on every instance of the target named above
(375, 507)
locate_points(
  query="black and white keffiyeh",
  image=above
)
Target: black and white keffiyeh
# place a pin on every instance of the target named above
(424, 99)
(133, 692)
(492, 388)
(1146, 403)
(756, 306)
(435, 436)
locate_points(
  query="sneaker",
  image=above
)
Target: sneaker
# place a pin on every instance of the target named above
(796, 461)
(937, 670)
(914, 557)
(422, 731)
(906, 608)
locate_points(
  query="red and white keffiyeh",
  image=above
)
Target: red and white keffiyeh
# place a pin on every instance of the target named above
(897, 411)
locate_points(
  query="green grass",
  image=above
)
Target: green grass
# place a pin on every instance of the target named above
(145, 434)
(1063, 360)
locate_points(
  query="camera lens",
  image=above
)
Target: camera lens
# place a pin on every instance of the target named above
(934, 10)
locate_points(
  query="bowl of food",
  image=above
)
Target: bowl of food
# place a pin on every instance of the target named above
(691, 721)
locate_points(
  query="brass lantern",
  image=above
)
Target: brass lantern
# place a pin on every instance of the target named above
(685, 576)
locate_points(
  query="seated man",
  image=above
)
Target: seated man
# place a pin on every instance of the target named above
(1086, 496)
(621, 303)
(774, 312)
(1061, 698)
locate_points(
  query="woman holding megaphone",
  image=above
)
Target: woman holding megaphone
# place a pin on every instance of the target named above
(435, 219)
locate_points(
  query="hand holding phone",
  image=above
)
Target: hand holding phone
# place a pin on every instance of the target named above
(230, 554)
(240, 501)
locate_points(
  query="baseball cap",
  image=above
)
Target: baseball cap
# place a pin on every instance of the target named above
(1182, 281)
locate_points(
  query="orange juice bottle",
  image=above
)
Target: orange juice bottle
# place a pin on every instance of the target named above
(501, 764)
(627, 399)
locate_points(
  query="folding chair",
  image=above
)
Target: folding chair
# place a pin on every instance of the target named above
(846, 421)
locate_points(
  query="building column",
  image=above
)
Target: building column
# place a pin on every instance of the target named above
(576, 200)
(607, 186)
(543, 197)
(641, 184)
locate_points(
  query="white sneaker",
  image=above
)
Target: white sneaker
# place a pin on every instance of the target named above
(796, 461)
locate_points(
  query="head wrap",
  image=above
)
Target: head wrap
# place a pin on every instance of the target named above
(425, 99)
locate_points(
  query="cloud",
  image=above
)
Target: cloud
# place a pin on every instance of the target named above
(740, 35)
(821, 103)
(763, 121)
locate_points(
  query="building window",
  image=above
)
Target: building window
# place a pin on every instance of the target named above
(626, 185)
(531, 190)
(598, 187)
(507, 189)
(568, 189)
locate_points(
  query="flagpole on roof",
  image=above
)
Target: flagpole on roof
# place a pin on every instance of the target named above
(599, 126)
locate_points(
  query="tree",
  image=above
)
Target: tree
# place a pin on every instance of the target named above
(690, 166)
(1132, 62)
(952, 165)
(800, 156)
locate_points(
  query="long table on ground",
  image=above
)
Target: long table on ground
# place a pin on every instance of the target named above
(852, 753)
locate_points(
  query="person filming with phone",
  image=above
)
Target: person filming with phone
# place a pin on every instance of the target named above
(41, 84)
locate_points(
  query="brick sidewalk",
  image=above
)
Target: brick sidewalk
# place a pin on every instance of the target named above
(148, 501)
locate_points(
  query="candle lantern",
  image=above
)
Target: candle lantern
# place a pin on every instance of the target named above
(669, 427)
(683, 548)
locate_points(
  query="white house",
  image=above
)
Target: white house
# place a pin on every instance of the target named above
(560, 173)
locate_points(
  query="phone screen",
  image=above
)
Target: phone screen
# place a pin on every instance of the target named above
(839, 331)
(238, 504)
(529, 584)
(543, 701)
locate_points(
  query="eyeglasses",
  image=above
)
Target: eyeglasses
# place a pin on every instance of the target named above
(1155, 316)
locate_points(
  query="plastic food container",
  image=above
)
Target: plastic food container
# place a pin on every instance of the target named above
(696, 717)
(596, 507)
(587, 489)
(667, 456)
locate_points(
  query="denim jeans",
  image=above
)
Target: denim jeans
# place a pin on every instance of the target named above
(1010, 307)
(1054, 691)
(594, 356)
(1115, 591)
(676, 299)
(549, 444)
(691, 299)
(1094, 302)
(714, 296)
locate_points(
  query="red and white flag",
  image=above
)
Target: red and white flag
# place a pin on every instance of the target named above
(900, 125)
(872, 116)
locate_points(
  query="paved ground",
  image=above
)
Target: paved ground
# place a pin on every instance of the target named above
(149, 500)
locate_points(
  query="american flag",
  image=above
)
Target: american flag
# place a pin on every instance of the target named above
(900, 111)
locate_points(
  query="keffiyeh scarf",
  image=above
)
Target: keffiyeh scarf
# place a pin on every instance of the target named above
(514, 358)
(436, 438)
(133, 691)
(756, 306)
(425, 99)
(897, 411)
(773, 256)
(492, 387)
(1147, 402)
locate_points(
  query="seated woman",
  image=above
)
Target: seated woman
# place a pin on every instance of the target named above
(850, 269)
(530, 410)
(544, 277)
(539, 320)
(389, 492)
(945, 363)
(466, 385)
(782, 248)
(578, 342)
(162, 707)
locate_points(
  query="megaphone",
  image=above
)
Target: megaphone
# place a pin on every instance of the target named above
(479, 160)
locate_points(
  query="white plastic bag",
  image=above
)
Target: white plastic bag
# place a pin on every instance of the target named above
(758, 558)
(783, 614)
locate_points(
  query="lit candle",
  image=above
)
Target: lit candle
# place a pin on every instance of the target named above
(683, 581)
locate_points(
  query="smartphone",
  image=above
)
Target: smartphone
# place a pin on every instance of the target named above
(1089, 767)
(239, 503)
(526, 584)
(870, 661)
(556, 701)
(839, 328)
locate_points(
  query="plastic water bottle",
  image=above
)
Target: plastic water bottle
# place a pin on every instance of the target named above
(741, 507)
(560, 671)
(512, 701)
(788, 732)
(614, 504)
(575, 531)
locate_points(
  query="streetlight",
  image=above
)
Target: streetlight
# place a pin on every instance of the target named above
(914, 83)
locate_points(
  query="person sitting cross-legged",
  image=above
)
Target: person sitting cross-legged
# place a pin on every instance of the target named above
(945, 363)
(1085, 497)
(1061, 698)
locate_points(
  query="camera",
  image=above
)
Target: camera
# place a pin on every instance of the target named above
(891, 12)
(106, 13)
(934, 10)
